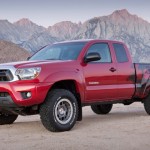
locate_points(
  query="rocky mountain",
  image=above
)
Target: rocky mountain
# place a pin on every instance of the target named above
(32, 36)
(9, 32)
(120, 25)
(27, 29)
(64, 30)
(10, 52)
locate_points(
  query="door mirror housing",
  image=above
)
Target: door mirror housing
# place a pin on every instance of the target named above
(92, 57)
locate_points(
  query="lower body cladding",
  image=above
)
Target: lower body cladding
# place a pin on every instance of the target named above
(18, 98)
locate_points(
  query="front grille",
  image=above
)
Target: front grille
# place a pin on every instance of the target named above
(5, 75)
(4, 94)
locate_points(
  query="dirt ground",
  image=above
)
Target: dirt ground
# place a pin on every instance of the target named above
(125, 128)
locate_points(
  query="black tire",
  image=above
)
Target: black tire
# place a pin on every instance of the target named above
(147, 105)
(59, 112)
(7, 118)
(101, 108)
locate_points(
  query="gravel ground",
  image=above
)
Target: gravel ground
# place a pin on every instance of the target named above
(125, 128)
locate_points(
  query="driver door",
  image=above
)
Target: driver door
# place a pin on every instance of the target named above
(100, 76)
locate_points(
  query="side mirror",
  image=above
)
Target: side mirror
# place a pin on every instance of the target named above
(92, 57)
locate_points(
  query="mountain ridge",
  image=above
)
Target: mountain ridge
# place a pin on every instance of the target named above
(120, 25)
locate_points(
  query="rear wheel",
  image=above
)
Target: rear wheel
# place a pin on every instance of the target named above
(7, 118)
(60, 111)
(147, 105)
(101, 108)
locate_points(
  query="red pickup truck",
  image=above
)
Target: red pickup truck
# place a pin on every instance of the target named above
(57, 81)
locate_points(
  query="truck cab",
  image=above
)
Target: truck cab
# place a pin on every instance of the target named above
(111, 74)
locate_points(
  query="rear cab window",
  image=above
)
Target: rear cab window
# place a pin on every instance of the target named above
(120, 53)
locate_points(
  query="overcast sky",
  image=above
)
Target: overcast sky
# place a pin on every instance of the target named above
(49, 12)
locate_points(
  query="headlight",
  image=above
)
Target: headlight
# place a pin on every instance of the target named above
(28, 73)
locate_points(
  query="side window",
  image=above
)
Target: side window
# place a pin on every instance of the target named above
(103, 50)
(120, 52)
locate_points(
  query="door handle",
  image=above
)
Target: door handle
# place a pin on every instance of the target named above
(112, 69)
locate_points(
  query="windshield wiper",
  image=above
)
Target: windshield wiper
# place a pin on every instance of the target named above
(52, 59)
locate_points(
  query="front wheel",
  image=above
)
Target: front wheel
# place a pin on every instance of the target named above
(60, 111)
(7, 118)
(147, 105)
(101, 108)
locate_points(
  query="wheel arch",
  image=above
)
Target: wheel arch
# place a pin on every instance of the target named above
(73, 87)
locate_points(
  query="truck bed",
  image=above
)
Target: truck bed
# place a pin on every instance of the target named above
(142, 80)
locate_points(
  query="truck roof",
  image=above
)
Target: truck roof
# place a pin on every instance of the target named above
(87, 40)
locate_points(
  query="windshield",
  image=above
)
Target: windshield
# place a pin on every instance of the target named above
(62, 51)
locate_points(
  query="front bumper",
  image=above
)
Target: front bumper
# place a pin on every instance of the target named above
(14, 98)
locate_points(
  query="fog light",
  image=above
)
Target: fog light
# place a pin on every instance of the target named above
(28, 94)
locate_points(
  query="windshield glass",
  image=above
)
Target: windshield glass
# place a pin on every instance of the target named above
(62, 51)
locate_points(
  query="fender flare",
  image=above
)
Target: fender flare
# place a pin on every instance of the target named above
(76, 76)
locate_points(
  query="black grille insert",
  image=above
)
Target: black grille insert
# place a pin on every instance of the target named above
(5, 75)
(4, 94)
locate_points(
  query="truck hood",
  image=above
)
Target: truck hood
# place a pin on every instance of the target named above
(33, 63)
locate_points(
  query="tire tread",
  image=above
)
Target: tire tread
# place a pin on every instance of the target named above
(47, 108)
